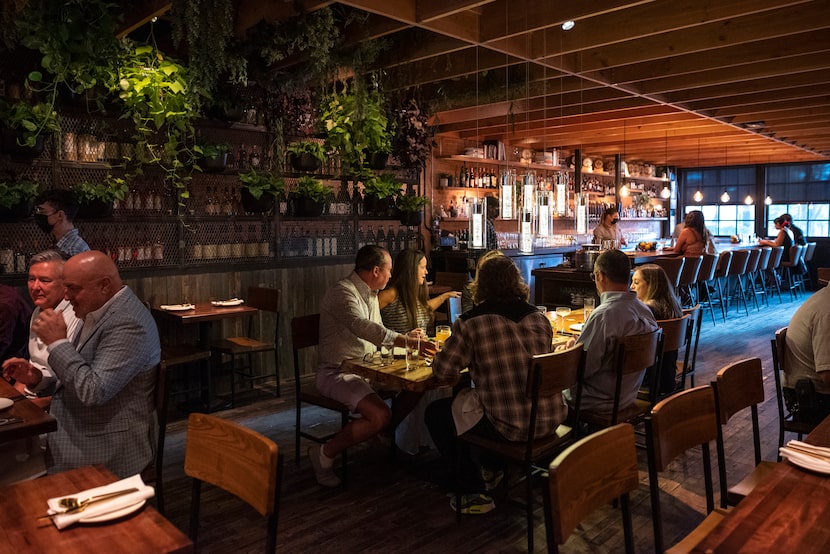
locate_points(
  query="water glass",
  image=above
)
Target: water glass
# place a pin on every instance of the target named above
(387, 352)
(588, 305)
(413, 345)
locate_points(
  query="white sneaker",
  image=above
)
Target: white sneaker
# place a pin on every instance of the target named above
(325, 475)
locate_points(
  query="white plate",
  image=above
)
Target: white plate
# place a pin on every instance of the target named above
(109, 516)
(576, 327)
(6, 403)
(177, 307)
(233, 302)
(806, 462)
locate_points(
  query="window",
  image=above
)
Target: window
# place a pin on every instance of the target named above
(722, 218)
(803, 191)
(813, 218)
(728, 219)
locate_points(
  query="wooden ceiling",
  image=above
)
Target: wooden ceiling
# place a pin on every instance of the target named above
(687, 83)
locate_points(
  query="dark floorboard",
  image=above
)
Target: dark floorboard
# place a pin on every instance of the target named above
(387, 508)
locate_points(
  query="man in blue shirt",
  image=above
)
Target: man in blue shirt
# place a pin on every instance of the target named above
(55, 214)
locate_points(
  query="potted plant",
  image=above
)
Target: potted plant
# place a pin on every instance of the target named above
(214, 157)
(95, 200)
(310, 196)
(16, 199)
(379, 193)
(24, 126)
(412, 141)
(357, 127)
(410, 206)
(306, 155)
(260, 190)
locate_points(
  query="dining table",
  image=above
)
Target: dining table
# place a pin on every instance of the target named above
(23, 418)
(394, 376)
(202, 314)
(24, 530)
(786, 512)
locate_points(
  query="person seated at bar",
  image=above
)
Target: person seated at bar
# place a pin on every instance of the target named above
(651, 284)
(807, 359)
(55, 215)
(351, 327)
(405, 305)
(784, 238)
(798, 234)
(496, 341)
(106, 376)
(619, 314)
(23, 459)
(695, 238)
(608, 229)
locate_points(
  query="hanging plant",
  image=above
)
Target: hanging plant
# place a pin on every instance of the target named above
(413, 139)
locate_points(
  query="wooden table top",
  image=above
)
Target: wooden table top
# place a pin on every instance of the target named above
(395, 376)
(145, 530)
(204, 312)
(787, 512)
(637, 257)
(35, 419)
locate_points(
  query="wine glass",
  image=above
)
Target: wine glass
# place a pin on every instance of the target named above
(563, 312)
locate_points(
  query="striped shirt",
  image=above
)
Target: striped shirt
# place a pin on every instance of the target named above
(72, 243)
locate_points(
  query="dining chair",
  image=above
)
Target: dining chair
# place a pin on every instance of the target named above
(634, 355)
(548, 375)
(675, 425)
(266, 299)
(689, 364)
(305, 333)
(738, 386)
(591, 472)
(237, 460)
(788, 421)
(675, 334)
(152, 474)
(822, 276)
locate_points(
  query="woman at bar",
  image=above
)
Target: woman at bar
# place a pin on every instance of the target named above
(653, 288)
(607, 228)
(784, 238)
(695, 238)
(405, 305)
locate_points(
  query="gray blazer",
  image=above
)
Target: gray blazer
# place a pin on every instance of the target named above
(104, 407)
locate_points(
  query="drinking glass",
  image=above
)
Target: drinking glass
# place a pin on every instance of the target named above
(413, 344)
(442, 333)
(387, 352)
(588, 305)
(563, 312)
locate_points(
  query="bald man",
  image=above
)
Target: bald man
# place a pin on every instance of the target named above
(104, 396)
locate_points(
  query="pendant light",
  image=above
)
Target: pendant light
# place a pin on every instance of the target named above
(698, 196)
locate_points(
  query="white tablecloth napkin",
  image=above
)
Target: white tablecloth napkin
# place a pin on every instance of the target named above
(176, 307)
(104, 507)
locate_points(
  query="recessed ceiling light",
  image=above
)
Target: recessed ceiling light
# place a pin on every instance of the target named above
(568, 25)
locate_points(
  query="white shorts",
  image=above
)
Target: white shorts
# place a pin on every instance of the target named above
(346, 388)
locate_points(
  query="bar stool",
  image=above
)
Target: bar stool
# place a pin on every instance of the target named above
(673, 267)
(773, 269)
(789, 268)
(704, 277)
(688, 276)
(749, 275)
(736, 270)
(808, 257)
(721, 272)
(758, 277)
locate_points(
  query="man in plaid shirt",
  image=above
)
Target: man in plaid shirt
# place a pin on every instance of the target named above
(496, 341)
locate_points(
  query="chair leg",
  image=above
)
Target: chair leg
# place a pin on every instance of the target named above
(195, 499)
(529, 504)
(277, 372)
(628, 530)
(551, 541)
(297, 432)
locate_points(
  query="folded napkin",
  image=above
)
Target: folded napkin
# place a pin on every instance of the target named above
(177, 306)
(811, 448)
(62, 520)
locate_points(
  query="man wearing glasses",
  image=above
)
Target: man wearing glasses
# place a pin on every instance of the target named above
(54, 214)
(608, 228)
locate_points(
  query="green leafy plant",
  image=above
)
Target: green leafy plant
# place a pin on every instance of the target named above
(382, 186)
(29, 121)
(300, 147)
(17, 192)
(113, 188)
(356, 125)
(258, 184)
(210, 150)
(314, 189)
(411, 202)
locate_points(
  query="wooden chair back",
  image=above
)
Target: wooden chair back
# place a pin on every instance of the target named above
(264, 299)
(237, 460)
(674, 332)
(738, 264)
(695, 314)
(673, 268)
(787, 421)
(676, 424)
(592, 472)
(775, 257)
(635, 354)
(552, 373)
(305, 332)
(691, 268)
(823, 274)
(724, 261)
(707, 268)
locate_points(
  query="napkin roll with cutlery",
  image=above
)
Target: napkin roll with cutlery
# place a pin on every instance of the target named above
(816, 456)
(62, 519)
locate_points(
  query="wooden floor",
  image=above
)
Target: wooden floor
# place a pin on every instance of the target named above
(388, 507)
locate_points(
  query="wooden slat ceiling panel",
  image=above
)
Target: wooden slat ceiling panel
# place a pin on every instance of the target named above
(666, 81)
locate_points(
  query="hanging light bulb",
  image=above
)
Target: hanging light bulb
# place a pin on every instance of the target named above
(568, 25)
(624, 191)
(666, 192)
(724, 197)
(748, 200)
(768, 200)
(698, 196)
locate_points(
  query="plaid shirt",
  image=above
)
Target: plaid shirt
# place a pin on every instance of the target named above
(72, 243)
(496, 343)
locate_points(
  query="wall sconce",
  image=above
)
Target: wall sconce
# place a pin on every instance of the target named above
(768, 200)
(748, 200)
(724, 197)
(698, 196)
(666, 192)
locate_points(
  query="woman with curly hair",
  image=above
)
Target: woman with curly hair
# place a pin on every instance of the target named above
(694, 239)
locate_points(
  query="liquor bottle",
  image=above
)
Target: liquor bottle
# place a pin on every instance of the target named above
(370, 236)
(462, 176)
(254, 160)
(241, 158)
(400, 239)
(390, 240)
(361, 238)
(381, 236)
(333, 243)
(343, 202)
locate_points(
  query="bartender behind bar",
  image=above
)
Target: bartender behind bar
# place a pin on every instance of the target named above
(608, 228)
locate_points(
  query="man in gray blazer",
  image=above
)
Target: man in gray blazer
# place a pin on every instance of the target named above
(104, 398)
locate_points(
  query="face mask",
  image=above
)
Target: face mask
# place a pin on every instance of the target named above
(614, 221)
(42, 221)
